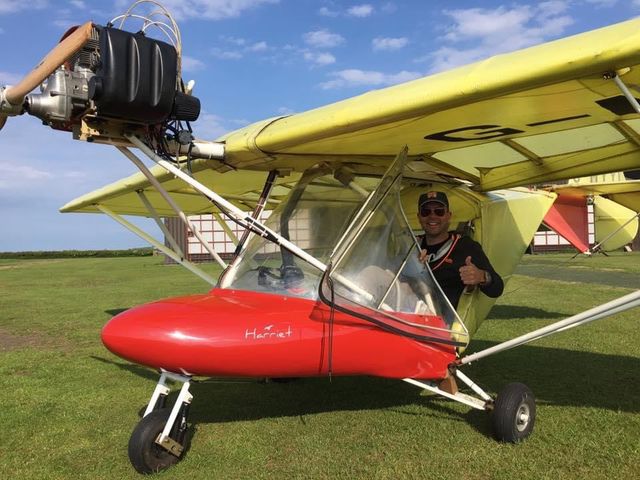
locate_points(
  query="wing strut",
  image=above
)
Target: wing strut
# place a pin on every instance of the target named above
(227, 229)
(167, 251)
(160, 223)
(154, 181)
(615, 306)
(595, 248)
(240, 217)
(625, 91)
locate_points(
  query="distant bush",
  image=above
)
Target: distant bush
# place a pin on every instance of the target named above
(133, 252)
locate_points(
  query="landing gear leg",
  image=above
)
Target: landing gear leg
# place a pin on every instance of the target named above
(513, 412)
(159, 439)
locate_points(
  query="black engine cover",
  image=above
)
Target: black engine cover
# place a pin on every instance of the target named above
(136, 78)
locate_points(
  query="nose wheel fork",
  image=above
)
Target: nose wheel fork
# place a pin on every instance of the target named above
(159, 440)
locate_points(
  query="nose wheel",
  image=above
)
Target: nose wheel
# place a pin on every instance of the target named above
(514, 413)
(159, 440)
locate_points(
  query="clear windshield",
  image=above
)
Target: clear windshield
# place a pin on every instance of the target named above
(314, 216)
(376, 273)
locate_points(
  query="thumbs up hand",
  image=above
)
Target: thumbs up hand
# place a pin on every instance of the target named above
(470, 274)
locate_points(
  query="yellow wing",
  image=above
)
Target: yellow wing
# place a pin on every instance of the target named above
(544, 113)
(625, 193)
(242, 188)
(539, 114)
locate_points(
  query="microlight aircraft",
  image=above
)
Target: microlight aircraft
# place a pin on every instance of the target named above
(331, 284)
(615, 207)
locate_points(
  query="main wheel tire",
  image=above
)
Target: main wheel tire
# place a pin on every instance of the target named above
(145, 454)
(514, 413)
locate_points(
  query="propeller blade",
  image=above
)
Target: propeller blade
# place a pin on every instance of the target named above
(3, 120)
(56, 57)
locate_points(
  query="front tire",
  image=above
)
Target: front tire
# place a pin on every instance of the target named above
(514, 413)
(145, 454)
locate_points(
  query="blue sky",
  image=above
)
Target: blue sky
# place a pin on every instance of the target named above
(250, 59)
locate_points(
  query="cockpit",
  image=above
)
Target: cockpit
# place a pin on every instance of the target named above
(354, 224)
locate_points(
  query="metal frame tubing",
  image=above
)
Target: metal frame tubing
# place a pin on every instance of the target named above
(595, 248)
(625, 91)
(458, 397)
(241, 217)
(167, 251)
(160, 223)
(174, 206)
(615, 306)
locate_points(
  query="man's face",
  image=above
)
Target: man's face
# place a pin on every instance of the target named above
(434, 218)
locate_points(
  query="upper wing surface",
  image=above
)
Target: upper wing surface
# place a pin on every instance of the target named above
(544, 113)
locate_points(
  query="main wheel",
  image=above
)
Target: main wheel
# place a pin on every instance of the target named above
(514, 413)
(145, 454)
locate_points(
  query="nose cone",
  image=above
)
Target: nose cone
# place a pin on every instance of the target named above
(220, 333)
(150, 334)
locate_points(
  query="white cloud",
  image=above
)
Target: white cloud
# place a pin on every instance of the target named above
(326, 12)
(238, 41)
(7, 78)
(226, 54)
(636, 3)
(285, 111)
(603, 3)
(323, 39)
(389, 7)
(17, 176)
(360, 11)
(210, 126)
(78, 4)
(477, 33)
(240, 46)
(212, 9)
(190, 64)
(362, 78)
(389, 43)
(13, 6)
(319, 58)
(258, 47)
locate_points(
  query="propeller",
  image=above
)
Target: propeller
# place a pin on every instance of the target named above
(12, 98)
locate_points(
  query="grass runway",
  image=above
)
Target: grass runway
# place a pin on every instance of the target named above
(68, 406)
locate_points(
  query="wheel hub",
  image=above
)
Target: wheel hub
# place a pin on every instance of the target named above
(522, 417)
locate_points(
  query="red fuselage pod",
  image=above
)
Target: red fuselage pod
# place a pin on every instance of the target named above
(249, 334)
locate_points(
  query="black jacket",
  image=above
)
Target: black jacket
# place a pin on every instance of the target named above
(446, 269)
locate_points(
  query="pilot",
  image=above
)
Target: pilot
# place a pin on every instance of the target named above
(457, 261)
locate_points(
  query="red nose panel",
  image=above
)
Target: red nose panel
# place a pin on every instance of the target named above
(240, 333)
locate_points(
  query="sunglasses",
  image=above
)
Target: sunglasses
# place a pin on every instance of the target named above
(438, 212)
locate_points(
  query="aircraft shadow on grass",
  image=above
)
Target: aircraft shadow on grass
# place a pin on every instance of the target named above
(556, 376)
(511, 312)
(138, 370)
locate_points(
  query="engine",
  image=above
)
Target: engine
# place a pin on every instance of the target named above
(118, 81)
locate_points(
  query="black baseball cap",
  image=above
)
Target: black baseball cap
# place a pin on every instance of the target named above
(433, 196)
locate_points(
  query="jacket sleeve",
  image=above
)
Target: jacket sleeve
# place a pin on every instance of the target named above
(479, 258)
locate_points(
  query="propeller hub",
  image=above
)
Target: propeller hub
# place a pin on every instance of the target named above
(8, 108)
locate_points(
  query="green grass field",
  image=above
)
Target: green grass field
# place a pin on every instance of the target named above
(67, 406)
